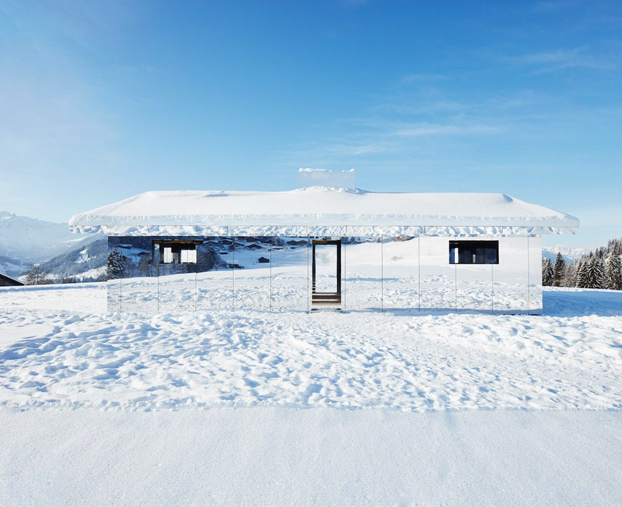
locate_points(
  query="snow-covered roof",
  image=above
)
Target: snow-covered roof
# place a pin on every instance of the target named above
(322, 209)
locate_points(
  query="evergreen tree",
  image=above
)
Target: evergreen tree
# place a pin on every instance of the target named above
(115, 265)
(601, 274)
(581, 279)
(595, 273)
(547, 272)
(558, 270)
(614, 269)
(570, 276)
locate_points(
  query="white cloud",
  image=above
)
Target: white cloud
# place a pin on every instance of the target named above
(553, 5)
(559, 59)
(419, 78)
(425, 129)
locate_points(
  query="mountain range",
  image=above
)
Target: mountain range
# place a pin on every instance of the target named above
(25, 241)
(569, 253)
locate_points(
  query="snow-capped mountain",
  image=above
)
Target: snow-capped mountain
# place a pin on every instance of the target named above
(25, 240)
(569, 253)
(29, 240)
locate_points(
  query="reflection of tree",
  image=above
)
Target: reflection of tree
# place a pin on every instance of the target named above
(116, 265)
(143, 263)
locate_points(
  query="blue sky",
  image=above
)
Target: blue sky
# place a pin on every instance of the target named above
(102, 100)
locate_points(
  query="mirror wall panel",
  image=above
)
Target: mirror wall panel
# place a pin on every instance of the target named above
(535, 275)
(511, 276)
(400, 273)
(362, 273)
(437, 276)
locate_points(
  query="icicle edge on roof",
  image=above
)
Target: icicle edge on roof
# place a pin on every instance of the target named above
(322, 207)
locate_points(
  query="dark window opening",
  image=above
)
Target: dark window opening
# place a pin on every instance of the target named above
(473, 252)
(173, 252)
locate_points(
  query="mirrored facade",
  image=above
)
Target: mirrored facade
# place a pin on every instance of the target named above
(305, 272)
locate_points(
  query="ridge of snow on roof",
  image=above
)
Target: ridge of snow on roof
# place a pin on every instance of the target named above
(321, 206)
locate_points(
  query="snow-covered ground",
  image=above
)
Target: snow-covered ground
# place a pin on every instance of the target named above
(251, 407)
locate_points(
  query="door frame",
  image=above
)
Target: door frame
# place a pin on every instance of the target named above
(326, 298)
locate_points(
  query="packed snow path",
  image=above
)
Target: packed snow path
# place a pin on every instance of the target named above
(569, 358)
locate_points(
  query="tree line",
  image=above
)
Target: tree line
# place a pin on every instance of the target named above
(600, 269)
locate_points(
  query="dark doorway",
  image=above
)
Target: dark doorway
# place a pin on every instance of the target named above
(326, 273)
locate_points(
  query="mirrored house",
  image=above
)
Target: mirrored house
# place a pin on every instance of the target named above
(324, 248)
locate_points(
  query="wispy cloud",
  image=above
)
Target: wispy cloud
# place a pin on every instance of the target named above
(421, 78)
(553, 5)
(560, 59)
(426, 129)
(355, 3)
(353, 146)
(364, 140)
(450, 109)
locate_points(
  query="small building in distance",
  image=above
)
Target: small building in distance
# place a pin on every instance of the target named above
(7, 281)
(324, 247)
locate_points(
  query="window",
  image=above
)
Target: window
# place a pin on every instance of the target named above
(473, 252)
(178, 252)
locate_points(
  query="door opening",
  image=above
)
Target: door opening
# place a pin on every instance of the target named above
(326, 274)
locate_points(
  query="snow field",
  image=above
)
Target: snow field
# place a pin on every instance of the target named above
(279, 456)
(409, 361)
(358, 408)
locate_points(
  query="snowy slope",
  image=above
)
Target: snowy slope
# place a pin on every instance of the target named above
(85, 262)
(30, 240)
(12, 267)
(360, 408)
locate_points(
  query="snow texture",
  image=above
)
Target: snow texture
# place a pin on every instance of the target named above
(361, 408)
(54, 355)
(322, 211)
(293, 457)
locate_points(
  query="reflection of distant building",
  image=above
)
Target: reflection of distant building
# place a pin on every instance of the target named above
(7, 281)
(326, 247)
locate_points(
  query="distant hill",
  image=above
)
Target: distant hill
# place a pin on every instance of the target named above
(29, 240)
(25, 241)
(85, 263)
(12, 267)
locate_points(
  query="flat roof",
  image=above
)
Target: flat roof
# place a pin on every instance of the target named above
(321, 207)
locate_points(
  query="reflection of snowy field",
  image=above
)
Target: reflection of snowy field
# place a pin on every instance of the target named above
(374, 276)
(154, 410)
(568, 358)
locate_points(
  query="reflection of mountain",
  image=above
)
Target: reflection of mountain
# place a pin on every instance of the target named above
(29, 240)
